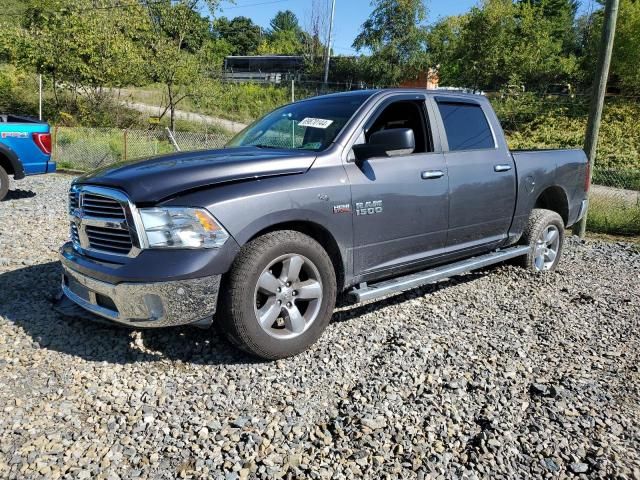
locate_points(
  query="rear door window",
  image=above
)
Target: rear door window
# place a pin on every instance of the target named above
(466, 126)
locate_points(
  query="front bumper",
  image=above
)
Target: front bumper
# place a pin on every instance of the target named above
(144, 305)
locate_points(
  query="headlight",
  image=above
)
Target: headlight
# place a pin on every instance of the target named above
(177, 227)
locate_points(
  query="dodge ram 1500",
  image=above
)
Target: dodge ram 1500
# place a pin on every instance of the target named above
(368, 193)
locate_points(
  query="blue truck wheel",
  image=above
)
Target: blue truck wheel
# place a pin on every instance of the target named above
(4, 183)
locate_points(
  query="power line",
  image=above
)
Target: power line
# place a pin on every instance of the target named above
(234, 7)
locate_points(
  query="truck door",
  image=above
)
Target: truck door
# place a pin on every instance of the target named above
(400, 204)
(482, 177)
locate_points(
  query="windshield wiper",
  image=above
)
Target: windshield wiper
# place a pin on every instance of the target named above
(273, 147)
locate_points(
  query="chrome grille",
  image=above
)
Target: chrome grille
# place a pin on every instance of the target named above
(109, 239)
(100, 221)
(100, 206)
(74, 197)
(75, 237)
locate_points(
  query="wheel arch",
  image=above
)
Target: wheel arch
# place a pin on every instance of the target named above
(554, 198)
(10, 163)
(321, 235)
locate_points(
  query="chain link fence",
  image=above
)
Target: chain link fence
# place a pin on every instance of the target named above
(84, 149)
(534, 121)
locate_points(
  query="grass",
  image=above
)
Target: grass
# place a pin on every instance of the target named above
(614, 216)
(242, 102)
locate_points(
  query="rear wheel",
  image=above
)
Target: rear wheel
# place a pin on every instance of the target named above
(279, 295)
(545, 235)
(4, 183)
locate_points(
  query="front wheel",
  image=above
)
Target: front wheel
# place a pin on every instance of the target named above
(279, 295)
(4, 183)
(545, 235)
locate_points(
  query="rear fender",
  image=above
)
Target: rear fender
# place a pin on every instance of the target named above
(10, 162)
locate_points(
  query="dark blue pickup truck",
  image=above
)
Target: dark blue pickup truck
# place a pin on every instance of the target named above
(25, 149)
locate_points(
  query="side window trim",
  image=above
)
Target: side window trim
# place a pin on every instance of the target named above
(437, 100)
(420, 103)
(432, 119)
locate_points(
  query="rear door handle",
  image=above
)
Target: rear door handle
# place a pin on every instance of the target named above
(431, 174)
(502, 168)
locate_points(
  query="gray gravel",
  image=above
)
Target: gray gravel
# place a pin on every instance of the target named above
(499, 373)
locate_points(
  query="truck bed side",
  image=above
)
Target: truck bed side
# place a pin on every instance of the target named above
(555, 176)
(16, 140)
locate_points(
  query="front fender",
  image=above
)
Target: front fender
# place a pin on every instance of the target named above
(245, 209)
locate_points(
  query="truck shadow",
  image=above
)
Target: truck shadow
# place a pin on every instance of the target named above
(18, 194)
(28, 297)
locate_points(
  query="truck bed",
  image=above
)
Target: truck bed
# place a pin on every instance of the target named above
(539, 170)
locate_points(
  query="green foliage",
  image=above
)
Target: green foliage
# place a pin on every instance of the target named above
(240, 32)
(212, 54)
(243, 102)
(626, 49)
(74, 43)
(281, 42)
(285, 38)
(396, 37)
(613, 215)
(533, 121)
(17, 91)
(181, 23)
(500, 43)
(285, 21)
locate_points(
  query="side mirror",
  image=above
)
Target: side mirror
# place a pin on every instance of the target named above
(386, 143)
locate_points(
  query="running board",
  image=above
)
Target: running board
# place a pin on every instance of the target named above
(399, 284)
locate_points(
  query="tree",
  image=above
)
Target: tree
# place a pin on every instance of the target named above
(180, 33)
(561, 15)
(283, 42)
(285, 21)
(626, 50)
(500, 43)
(396, 36)
(241, 32)
(83, 47)
(315, 36)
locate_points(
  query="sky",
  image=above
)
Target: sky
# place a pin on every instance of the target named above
(350, 14)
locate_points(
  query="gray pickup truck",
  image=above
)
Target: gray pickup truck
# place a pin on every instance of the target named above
(368, 193)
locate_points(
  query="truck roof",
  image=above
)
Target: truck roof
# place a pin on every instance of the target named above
(382, 91)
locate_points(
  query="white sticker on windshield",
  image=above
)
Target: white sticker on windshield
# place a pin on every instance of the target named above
(315, 123)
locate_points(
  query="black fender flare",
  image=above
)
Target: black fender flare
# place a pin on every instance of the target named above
(16, 164)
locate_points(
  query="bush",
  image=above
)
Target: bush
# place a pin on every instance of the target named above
(533, 121)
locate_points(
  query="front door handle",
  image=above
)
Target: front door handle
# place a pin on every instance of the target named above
(502, 168)
(431, 174)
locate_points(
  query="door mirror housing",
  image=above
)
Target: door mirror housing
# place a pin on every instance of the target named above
(386, 143)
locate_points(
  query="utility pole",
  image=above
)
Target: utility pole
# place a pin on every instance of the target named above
(599, 92)
(328, 53)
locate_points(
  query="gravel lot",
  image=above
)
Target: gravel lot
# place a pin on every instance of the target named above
(499, 373)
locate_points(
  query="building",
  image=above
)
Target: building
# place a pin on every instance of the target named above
(262, 68)
(429, 79)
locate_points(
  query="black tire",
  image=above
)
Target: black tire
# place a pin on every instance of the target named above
(237, 316)
(539, 221)
(4, 183)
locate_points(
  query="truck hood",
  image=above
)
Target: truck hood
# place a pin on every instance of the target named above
(159, 178)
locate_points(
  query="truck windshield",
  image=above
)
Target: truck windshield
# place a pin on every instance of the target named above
(308, 125)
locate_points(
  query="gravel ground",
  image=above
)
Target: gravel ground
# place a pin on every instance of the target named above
(496, 374)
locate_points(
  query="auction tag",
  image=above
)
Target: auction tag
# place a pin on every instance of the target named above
(315, 123)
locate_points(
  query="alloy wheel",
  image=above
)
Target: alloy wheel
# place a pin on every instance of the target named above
(288, 296)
